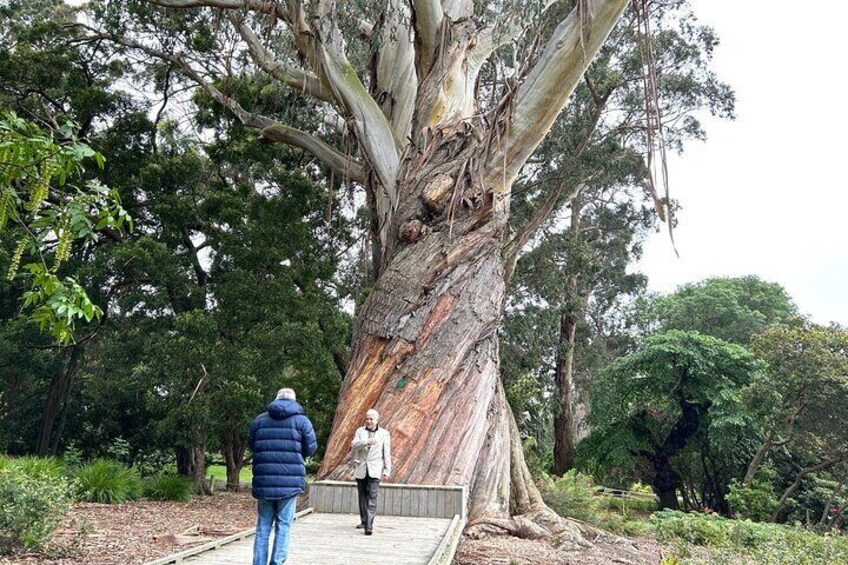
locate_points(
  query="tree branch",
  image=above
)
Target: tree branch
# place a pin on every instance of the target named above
(396, 84)
(427, 19)
(263, 6)
(497, 35)
(297, 79)
(549, 84)
(272, 130)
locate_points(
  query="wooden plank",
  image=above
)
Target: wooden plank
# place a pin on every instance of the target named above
(396, 541)
(435, 503)
(387, 494)
(406, 503)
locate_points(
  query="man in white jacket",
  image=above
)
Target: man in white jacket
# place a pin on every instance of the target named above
(372, 457)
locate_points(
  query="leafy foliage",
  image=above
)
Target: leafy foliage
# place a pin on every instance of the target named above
(736, 541)
(33, 502)
(107, 482)
(657, 404)
(167, 487)
(731, 309)
(756, 502)
(30, 160)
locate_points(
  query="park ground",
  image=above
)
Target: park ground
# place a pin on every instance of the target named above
(135, 532)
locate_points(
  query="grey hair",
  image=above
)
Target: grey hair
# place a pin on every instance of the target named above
(375, 414)
(286, 394)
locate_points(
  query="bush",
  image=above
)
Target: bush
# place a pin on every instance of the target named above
(31, 507)
(761, 543)
(167, 487)
(756, 502)
(107, 482)
(36, 466)
(571, 496)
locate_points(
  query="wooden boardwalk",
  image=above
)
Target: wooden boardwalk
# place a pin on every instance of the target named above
(425, 533)
(332, 539)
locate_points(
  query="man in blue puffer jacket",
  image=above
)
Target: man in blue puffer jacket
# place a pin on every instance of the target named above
(280, 439)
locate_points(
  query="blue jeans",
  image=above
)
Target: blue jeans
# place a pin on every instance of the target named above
(280, 514)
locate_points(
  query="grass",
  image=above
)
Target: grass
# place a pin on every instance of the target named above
(219, 473)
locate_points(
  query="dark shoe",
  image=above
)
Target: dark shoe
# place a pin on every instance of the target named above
(360, 526)
(368, 532)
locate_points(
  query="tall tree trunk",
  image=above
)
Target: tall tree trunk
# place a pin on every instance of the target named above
(60, 387)
(564, 422)
(233, 450)
(426, 356)
(191, 462)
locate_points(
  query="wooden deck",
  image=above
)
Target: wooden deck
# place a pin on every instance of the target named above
(332, 539)
(426, 535)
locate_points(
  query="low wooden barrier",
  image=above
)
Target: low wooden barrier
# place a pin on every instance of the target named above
(416, 501)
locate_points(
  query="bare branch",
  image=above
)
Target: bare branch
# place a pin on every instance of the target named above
(263, 6)
(297, 79)
(428, 18)
(272, 130)
(545, 91)
(339, 163)
(540, 215)
(458, 9)
(396, 83)
(496, 35)
(551, 203)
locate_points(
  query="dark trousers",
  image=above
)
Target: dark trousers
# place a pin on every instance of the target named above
(367, 489)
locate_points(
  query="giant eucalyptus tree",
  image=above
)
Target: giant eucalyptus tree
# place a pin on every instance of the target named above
(437, 150)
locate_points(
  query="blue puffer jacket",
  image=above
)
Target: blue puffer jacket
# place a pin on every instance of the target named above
(281, 439)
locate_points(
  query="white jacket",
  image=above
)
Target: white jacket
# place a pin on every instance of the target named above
(377, 457)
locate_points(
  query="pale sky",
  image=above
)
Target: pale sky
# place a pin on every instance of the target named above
(767, 194)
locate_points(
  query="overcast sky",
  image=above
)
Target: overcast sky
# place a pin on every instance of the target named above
(766, 194)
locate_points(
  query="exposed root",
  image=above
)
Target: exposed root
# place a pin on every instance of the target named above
(543, 523)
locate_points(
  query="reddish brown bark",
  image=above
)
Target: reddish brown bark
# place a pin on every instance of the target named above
(425, 345)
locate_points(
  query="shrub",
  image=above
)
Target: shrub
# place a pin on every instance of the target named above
(107, 482)
(756, 502)
(37, 466)
(738, 541)
(571, 496)
(31, 507)
(696, 529)
(167, 487)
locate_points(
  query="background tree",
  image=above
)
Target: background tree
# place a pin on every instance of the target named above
(799, 402)
(656, 403)
(590, 171)
(729, 308)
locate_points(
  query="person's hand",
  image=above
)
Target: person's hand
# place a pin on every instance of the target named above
(385, 476)
(372, 441)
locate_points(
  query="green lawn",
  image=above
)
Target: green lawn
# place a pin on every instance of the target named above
(219, 472)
